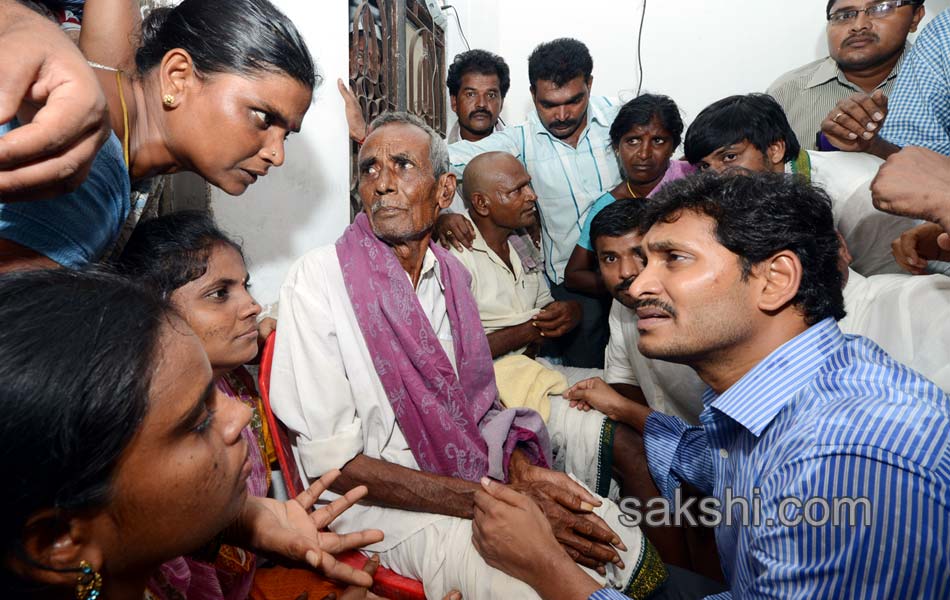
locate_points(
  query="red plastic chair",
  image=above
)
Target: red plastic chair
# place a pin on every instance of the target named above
(386, 583)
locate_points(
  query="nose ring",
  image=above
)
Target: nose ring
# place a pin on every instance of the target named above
(273, 152)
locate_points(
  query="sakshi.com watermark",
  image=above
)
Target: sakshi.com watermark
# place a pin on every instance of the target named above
(731, 510)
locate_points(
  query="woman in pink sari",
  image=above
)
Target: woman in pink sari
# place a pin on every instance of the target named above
(644, 135)
(185, 258)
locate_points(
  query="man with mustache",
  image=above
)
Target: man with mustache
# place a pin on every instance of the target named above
(381, 369)
(478, 82)
(565, 148)
(740, 282)
(905, 315)
(866, 41)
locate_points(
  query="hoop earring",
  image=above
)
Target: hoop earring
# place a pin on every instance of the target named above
(89, 582)
(168, 99)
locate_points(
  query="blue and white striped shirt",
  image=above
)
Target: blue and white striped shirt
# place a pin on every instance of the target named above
(919, 107)
(568, 180)
(825, 416)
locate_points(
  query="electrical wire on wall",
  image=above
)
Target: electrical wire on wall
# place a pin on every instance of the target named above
(465, 39)
(457, 20)
(643, 15)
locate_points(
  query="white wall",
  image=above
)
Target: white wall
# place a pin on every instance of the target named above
(304, 203)
(696, 51)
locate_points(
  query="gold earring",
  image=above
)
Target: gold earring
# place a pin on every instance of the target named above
(89, 582)
(168, 99)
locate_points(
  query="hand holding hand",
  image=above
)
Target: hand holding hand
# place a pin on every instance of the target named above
(512, 534)
(586, 538)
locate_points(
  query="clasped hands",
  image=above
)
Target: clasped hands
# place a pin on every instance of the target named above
(568, 507)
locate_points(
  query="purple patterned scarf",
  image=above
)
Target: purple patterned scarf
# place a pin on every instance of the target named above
(455, 426)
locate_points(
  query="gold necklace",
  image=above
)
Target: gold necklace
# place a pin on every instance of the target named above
(630, 190)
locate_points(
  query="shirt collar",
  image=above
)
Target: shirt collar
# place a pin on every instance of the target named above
(825, 72)
(760, 394)
(430, 268)
(455, 134)
(829, 70)
(480, 245)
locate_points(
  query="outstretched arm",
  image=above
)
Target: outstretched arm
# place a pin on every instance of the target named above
(290, 530)
(109, 32)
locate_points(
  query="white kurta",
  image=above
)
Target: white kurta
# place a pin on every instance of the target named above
(325, 389)
(846, 176)
(907, 316)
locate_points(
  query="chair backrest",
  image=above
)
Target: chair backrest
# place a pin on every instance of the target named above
(282, 443)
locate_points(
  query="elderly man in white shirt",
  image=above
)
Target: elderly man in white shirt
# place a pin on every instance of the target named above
(908, 316)
(381, 370)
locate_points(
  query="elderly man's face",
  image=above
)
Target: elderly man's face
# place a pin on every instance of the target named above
(400, 195)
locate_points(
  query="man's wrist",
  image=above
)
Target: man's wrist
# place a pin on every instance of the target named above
(881, 148)
(560, 577)
(518, 466)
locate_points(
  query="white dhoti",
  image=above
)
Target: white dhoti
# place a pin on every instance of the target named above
(441, 554)
(443, 558)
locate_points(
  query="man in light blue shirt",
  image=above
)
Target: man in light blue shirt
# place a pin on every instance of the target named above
(828, 459)
(565, 147)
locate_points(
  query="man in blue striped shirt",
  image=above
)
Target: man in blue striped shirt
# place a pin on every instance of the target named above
(841, 454)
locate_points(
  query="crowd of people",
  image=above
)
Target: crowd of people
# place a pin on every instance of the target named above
(534, 347)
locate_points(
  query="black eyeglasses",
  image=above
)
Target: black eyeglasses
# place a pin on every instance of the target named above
(876, 11)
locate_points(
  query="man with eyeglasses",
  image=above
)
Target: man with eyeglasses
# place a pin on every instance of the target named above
(866, 41)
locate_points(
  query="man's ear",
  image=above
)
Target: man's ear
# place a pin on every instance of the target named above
(453, 100)
(446, 193)
(590, 84)
(776, 153)
(177, 76)
(919, 13)
(54, 546)
(781, 276)
(481, 204)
